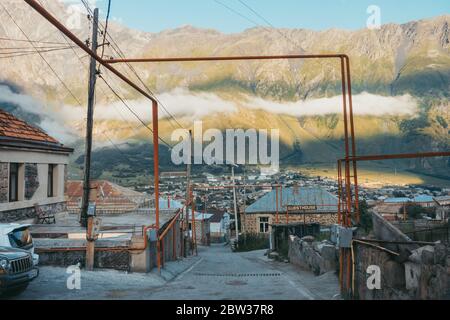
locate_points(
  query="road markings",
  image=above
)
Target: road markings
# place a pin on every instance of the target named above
(188, 270)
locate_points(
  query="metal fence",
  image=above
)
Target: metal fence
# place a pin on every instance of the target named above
(431, 234)
(116, 205)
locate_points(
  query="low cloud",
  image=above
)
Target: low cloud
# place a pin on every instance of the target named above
(183, 104)
(180, 103)
(51, 122)
(195, 106)
(363, 104)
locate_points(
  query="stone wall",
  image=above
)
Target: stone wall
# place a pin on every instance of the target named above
(117, 260)
(423, 276)
(31, 180)
(4, 181)
(250, 222)
(319, 257)
(30, 213)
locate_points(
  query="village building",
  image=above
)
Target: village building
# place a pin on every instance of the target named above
(112, 199)
(393, 209)
(33, 170)
(443, 208)
(202, 227)
(219, 225)
(295, 205)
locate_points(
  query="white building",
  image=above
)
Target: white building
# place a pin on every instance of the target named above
(219, 225)
(33, 170)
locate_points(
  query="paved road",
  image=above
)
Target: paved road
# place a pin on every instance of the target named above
(217, 274)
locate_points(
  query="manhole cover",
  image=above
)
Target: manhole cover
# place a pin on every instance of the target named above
(236, 283)
(238, 275)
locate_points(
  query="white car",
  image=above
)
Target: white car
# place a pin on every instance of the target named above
(18, 236)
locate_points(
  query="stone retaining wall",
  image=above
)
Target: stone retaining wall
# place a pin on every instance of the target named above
(319, 257)
(30, 213)
(4, 181)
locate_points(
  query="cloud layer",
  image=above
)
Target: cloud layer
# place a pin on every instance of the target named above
(363, 104)
(190, 106)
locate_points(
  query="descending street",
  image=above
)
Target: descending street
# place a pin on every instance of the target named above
(217, 274)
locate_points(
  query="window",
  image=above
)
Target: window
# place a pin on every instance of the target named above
(264, 224)
(50, 183)
(13, 182)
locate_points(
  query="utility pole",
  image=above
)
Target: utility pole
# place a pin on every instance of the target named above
(235, 206)
(188, 191)
(85, 220)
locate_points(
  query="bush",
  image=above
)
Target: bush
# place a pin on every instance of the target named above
(252, 242)
(414, 211)
(366, 222)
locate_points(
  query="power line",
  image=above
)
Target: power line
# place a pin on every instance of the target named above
(106, 28)
(115, 47)
(133, 112)
(236, 12)
(41, 55)
(8, 55)
(51, 68)
(289, 39)
(30, 41)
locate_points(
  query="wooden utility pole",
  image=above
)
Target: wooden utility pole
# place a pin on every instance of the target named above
(188, 192)
(85, 220)
(235, 206)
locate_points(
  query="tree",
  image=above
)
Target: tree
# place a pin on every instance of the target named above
(414, 211)
(366, 222)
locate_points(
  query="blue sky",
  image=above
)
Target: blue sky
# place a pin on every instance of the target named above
(155, 16)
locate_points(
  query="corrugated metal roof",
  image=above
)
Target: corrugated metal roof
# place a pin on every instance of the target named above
(397, 200)
(423, 199)
(417, 199)
(325, 201)
(443, 201)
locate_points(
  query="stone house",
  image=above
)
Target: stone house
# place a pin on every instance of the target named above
(33, 170)
(295, 205)
(202, 227)
(443, 208)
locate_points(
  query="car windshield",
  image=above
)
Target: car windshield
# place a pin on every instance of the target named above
(20, 238)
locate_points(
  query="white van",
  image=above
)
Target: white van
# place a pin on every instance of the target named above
(18, 236)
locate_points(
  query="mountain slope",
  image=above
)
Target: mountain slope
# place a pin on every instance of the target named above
(412, 59)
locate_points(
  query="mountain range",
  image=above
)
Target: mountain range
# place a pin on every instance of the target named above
(401, 83)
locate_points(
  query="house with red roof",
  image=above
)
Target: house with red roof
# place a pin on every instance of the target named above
(33, 170)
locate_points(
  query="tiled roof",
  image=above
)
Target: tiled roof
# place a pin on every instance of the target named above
(325, 201)
(105, 189)
(12, 127)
